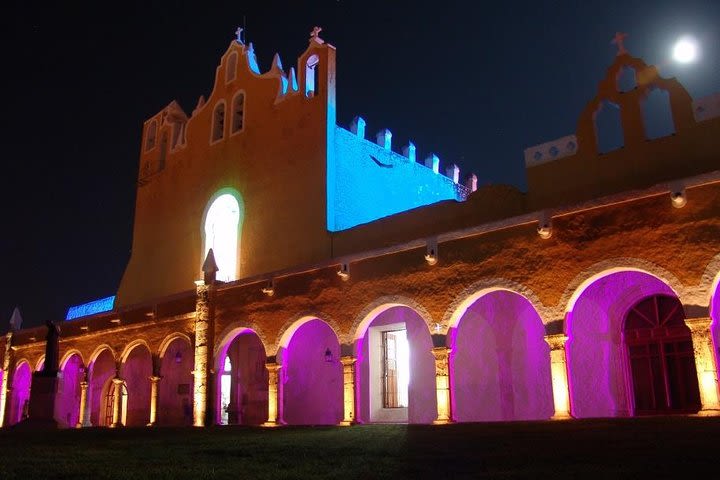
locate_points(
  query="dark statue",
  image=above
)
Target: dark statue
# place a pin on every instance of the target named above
(52, 348)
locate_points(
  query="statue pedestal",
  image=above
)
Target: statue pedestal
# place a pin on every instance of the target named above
(42, 401)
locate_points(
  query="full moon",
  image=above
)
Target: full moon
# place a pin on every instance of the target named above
(685, 50)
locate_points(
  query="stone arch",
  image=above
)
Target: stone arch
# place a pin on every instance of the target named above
(607, 267)
(366, 315)
(68, 354)
(19, 398)
(136, 368)
(311, 377)
(241, 392)
(99, 350)
(162, 349)
(39, 364)
(478, 289)
(102, 368)
(411, 321)
(131, 346)
(499, 360)
(67, 403)
(597, 361)
(292, 325)
(175, 385)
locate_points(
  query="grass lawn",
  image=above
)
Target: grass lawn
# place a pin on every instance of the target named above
(664, 447)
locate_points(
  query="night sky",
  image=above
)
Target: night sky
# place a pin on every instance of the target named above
(474, 82)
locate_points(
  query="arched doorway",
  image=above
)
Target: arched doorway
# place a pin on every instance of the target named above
(101, 371)
(660, 357)
(311, 379)
(242, 380)
(108, 401)
(136, 371)
(67, 408)
(500, 362)
(20, 394)
(176, 385)
(395, 367)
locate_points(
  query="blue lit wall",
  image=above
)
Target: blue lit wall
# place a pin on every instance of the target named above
(91, 308)
(366, 189)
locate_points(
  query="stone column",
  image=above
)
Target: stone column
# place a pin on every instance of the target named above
(558, 372)
(705, 365)
(442, 384)
(348, 364)
(117, 402)
(5, 383)
(202, 352)
(274, 417)
(154, 380)
(83, 414)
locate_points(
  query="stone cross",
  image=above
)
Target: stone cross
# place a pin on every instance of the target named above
(619, 40)
(315, 35)
(238, 35)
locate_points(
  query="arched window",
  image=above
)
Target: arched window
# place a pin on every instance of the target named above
(150, 136)
(221, 229)
(231, 68)
(218, 126)
(238, 112)
(225, 390)
(311, 76)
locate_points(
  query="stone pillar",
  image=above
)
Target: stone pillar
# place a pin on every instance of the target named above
(83, 419)
(274, 417)
(154, 380)
(348, 364)
(558, 372)
(202, 353)
(5, 383)
(442, 384)
(117, 402)
(705, 365)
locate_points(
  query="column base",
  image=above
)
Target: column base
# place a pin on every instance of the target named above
(347, 423)
(562, 416)
(116, 425)
(270, 424)
(442, 421)
(710, 412)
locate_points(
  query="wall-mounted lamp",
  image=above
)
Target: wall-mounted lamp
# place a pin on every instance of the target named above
(329, 355)
(545, 230)
(178, 357)
(431, 252)
(344, 271)
(678, 199)
(269, 289)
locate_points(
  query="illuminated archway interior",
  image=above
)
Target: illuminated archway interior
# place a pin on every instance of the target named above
(221, 234)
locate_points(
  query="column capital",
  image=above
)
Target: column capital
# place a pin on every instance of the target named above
(348, 360)
(84, 384)
(699, 325)
(155, 378)
(118, 381)
(556, 341)
(273, 367)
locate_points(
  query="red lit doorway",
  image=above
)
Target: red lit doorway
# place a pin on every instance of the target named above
(661, 359)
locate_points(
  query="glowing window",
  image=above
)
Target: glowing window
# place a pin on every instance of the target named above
(238, 112)
(311, 76)
(221, 234)
(396, 369)
(218, 126)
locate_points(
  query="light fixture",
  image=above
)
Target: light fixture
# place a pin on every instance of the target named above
(328, 355)
(678, 199)
(344, 271)
(431, 252)
(544, 229)
(178, 357)
(269, 289)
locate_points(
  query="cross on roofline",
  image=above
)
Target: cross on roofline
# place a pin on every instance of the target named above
(238, 35)
(315, 35)
(619, 40)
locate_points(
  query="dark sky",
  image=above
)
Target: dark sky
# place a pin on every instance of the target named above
(475, 82)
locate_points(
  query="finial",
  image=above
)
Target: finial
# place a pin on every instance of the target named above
(238, 35)
(315, 35)
(619, 40)
(16, 320)
(210, 268)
